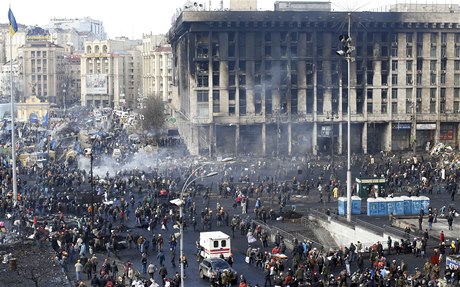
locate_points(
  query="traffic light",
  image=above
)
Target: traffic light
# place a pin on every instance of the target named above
(346, 50)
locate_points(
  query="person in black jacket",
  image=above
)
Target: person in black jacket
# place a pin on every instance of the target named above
(95, 281)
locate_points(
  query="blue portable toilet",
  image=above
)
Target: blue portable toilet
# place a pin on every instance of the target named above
(416, 204)
(372, 207)
(342, 201)
(355, 205)
(399, 206)
(390, 205)
(407, 203)
(425, 203)
(383, 206)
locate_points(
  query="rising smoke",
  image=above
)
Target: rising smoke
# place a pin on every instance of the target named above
(140, 161)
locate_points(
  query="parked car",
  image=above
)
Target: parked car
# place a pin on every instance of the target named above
(209, 268)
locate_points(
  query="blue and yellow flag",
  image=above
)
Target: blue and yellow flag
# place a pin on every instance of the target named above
(13, 24)
(45, 120)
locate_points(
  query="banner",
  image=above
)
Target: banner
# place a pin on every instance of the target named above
(96, 84)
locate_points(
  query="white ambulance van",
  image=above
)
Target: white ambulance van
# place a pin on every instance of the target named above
(215, 243)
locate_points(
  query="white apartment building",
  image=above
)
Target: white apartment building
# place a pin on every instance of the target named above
(157, 67)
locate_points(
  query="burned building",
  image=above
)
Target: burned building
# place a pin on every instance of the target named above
(271, 83)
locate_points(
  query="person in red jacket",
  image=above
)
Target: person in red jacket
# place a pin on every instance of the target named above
(276, 250)
(288, 279)
(243, 281)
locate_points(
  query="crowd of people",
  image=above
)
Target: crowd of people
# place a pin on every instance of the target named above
(86, 217)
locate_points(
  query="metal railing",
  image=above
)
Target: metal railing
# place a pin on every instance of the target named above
(321, 214)
(315, 244)
(316, 213)
(288, 237)
(376, 229)
(395, 231)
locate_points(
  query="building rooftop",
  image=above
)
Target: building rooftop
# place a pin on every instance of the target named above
(302, 19)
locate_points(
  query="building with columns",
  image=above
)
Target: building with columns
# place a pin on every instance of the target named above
(271, 83)
(111, 73)
(156, 67)
(43, 65)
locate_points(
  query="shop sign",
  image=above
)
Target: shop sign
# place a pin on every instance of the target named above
(401, 126)
(426, 126)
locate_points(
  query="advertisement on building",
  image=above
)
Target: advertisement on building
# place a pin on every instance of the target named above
(96, 84)
(447, 132)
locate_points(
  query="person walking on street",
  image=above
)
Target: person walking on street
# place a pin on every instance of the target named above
(173, 257)
(144, 263)
(160, 257)
(151, 270)
(78, 270)
(420, 221)
(114, 269)
(450, 220)
(89, 269)
(389, 242)
(267, 277)
(163, 272)
(430, 220)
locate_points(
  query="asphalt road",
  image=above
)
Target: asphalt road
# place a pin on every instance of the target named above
(239, 246)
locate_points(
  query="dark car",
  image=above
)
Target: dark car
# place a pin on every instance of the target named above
(211, 267)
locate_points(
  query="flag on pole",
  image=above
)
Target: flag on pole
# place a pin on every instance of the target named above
(45, 120)
(13, 24)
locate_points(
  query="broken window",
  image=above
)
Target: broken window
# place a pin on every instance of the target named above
(242, 101)
(215, 101)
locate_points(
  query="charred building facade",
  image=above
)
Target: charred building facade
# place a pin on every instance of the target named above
(271, 83)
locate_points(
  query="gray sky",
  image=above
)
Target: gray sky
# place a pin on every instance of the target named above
(137, 17)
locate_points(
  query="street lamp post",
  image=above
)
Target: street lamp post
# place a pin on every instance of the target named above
(349, 127)
(180, 203)
(414, 128)
(89, 152)
(181, 222)
(346, 52)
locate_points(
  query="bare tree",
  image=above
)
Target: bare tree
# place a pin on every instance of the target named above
(35, 266)
(37, 274)
(154, 113)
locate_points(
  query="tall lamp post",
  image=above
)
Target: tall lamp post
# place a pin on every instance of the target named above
(180, 202)
(64, 90)
(89, 152)
(346, 51)
(414, 128)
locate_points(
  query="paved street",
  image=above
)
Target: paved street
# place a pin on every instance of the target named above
(239, 244)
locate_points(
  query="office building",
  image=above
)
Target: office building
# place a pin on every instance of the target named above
(271, 83)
